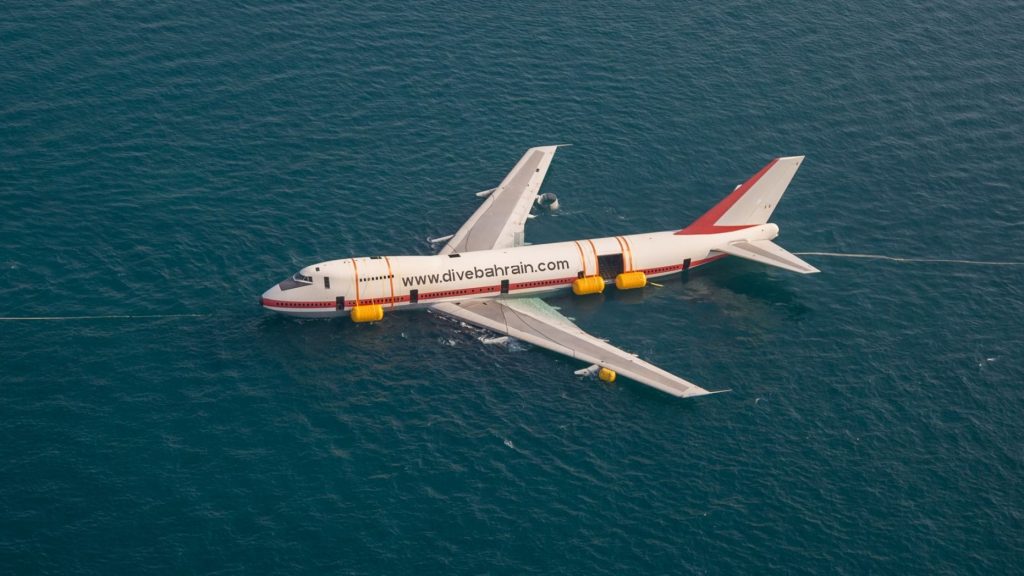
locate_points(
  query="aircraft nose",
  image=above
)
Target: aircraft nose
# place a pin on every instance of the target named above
(270, 296)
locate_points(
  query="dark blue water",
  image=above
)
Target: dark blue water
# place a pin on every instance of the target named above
(169, 160)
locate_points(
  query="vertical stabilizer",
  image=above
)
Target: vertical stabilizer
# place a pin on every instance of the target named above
(750, 204)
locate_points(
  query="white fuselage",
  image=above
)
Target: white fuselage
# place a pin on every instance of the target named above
(334, 287)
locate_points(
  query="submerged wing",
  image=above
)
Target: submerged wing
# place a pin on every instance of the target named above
(533, 321)
(499, 221)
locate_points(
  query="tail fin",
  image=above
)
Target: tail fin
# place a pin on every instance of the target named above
(751, 203)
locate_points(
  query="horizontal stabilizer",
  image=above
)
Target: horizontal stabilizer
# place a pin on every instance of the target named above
(768, 252)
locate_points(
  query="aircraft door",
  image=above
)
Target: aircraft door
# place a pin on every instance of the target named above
(610, 265)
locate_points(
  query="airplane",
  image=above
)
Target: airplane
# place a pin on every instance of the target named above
(487, 276)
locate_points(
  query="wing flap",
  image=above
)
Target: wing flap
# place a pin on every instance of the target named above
(770, 253)
(533, 321)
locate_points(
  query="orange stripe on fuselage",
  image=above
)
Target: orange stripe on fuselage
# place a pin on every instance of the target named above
(355, 269)
(597, 262)
(391, 279)
(627, 260)
(629, 250)
(583, 260)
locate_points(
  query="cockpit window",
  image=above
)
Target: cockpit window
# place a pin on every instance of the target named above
(298, 277)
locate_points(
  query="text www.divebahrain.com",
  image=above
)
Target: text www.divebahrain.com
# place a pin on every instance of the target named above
(494, 271)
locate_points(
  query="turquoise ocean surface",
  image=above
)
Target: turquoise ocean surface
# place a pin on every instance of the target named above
(163, 163)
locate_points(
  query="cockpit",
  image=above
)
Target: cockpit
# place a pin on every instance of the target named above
(298, 280)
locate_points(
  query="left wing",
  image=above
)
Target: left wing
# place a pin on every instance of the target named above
(533, 321)
(499, 221)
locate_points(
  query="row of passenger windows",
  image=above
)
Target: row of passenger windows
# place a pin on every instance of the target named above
(540, 283)
(304, 304)
(327, 279)
(385, 300)
(462, 292)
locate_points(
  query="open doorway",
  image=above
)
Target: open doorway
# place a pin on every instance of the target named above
(610, 265)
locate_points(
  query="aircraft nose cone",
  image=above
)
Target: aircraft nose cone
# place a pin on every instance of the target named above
(270, 296)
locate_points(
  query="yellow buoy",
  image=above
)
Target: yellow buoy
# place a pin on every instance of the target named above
(588, 285)
(368, 313)
(606, 375)
(630, 280)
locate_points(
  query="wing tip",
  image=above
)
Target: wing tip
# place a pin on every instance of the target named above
(550, 146)
(704, 392)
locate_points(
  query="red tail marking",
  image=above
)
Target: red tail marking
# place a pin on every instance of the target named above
(706, 223)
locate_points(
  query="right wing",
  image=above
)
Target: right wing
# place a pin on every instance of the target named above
(500, 220)
(534, 321)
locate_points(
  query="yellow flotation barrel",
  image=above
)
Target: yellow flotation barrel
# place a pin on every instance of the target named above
(588, 285)
(368, 313)
(630, 280)
(606, 375)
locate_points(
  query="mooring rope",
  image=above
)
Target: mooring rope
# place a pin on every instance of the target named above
(104, 317)
(901, 259)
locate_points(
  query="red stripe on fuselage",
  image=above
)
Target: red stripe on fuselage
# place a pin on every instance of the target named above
(288, 304)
